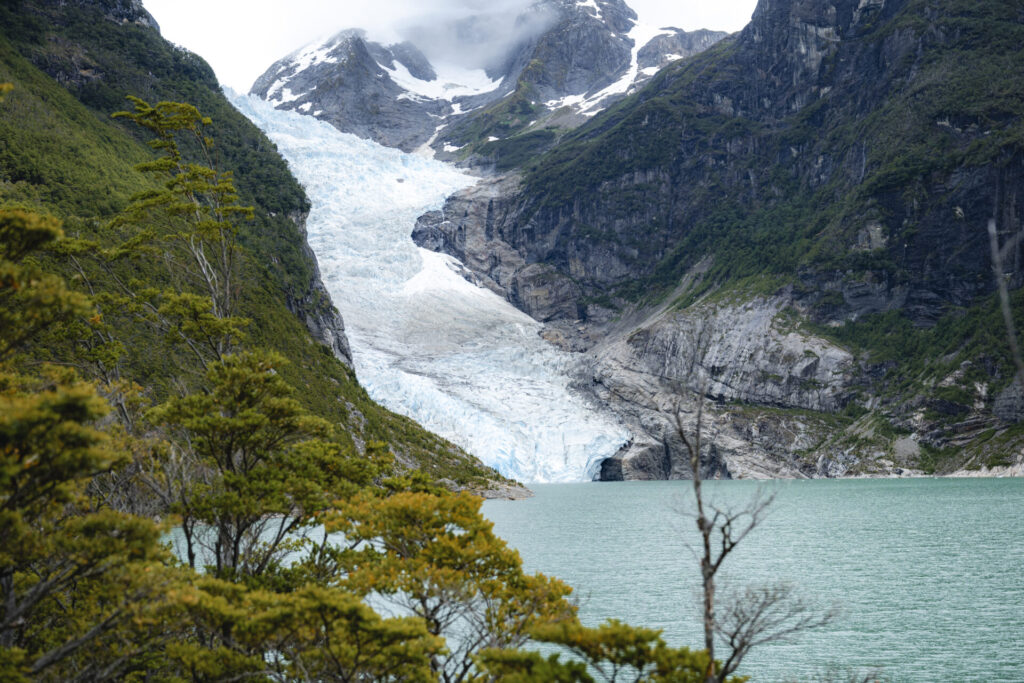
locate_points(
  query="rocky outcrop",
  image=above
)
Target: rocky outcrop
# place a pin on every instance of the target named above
(585, 50)
(315, 308)
(471, 227)
(675, 44)
(740, 353)
(122, 11)
(730, 361)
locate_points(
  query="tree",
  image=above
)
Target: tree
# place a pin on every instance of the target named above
(74, 575)
(31, 300)
(197, 204)
(186, 226)
(613, 652)
(758, 615)
(237, 470)
(310, 634)
(435, 556)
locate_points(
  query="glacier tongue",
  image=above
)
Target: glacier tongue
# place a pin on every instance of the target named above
(426, 343)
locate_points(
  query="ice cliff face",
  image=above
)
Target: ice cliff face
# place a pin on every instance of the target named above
(425, 342)
(566, 61)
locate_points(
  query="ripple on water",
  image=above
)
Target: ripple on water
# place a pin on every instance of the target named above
(928, 573)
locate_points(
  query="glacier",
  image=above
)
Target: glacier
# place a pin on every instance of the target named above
(426, 343)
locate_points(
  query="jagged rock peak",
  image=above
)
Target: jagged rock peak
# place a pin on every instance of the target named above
(349, 47)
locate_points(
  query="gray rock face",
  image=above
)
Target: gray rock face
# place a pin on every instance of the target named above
(728, 357)
(667, 48)
(472, 227)
(315, 308)
(585, 51)
(740, 353)
(1009, 403)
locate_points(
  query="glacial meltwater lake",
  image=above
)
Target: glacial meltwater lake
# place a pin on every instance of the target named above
(928, 573)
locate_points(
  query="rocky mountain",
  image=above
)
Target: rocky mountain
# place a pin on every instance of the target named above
(792, 224)
(355, 85)
(556, 64)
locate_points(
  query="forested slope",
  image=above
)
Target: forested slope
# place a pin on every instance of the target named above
(72, 65)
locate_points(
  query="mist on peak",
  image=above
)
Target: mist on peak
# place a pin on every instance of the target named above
(477, 34)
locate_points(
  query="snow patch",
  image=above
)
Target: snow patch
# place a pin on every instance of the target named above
(286, 96)
(590, 4)
(640, 34)
(567, 101)
(451, 82)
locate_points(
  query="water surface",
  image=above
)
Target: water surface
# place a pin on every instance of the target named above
(928, 573)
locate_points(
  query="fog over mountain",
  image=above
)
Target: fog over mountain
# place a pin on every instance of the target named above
(475, 34)
(261, 32)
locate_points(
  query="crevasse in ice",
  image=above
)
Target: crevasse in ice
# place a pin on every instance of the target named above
(458, 359)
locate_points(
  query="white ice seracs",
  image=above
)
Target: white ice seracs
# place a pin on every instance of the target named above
(427, 343)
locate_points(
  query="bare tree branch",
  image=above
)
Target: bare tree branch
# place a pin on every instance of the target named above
(758, 615)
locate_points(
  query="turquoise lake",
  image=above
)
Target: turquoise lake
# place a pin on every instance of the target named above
(928, 574)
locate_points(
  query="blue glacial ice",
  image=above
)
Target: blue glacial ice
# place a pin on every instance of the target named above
(426, 343)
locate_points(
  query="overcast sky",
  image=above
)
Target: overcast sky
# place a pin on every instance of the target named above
(241, 38)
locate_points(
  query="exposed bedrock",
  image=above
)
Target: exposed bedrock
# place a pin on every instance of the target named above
(740, 359)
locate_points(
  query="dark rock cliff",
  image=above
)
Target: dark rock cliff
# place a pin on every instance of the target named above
(842, 157)
(827, 139)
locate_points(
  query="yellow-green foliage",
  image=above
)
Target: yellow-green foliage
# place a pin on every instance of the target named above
(71, 569)
(255, 484)
(614, 651)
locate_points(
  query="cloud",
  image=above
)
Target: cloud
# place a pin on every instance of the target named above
(241, 38)
(474, 33)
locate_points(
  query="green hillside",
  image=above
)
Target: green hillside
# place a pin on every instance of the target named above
(61, 153)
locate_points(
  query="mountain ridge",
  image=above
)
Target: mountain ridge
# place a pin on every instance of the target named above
(571, 60)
